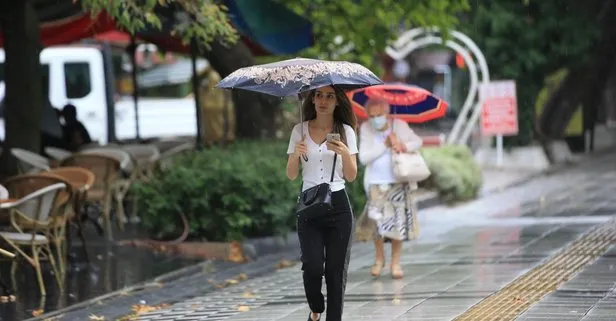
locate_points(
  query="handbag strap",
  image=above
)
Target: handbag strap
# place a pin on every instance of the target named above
(331, 179)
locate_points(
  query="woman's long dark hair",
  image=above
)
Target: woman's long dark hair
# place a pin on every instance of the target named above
(343, 113)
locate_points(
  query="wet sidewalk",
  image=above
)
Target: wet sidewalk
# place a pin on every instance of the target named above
(464, 255)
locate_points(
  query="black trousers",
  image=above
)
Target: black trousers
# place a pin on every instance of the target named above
(326, 247)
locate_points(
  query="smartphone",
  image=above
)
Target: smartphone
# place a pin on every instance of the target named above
(332, 137)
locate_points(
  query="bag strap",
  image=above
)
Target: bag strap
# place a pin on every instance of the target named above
(331, 179)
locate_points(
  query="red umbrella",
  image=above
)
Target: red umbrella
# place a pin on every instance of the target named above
(409, 103)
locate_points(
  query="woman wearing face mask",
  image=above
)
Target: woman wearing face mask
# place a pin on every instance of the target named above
(389, 201)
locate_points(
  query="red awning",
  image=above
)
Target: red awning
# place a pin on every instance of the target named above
(73, 29)
(103, 27)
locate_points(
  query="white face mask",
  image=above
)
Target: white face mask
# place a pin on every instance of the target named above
(378, 122)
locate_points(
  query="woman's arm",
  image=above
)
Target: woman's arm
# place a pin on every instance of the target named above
(349, 167)
(407, 136)
(293, 167)
(347, 152)
(368, 151)
(293, 160)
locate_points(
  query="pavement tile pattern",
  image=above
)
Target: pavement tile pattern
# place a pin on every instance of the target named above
(446, 273)
(464, 254)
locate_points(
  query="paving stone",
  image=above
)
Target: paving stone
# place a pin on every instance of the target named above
(464, 254)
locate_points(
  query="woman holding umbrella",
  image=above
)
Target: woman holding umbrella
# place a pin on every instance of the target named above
(389, 201)
(325, 240)
(325, 144)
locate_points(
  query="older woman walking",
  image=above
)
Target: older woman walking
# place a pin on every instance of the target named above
(389, 201)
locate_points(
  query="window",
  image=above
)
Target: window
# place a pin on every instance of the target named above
(77, 79)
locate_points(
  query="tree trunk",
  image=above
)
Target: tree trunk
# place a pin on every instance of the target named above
(607, 111)
(23, 100)
(255, 113)
(584, 84)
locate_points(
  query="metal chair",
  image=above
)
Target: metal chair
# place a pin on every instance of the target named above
(29, 162)
(34, 210)
(80, 180)
(57, 153)
(106, 172)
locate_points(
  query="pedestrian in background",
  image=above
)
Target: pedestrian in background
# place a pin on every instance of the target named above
(389, 207)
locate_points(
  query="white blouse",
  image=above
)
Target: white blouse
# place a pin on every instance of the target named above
(318, 168)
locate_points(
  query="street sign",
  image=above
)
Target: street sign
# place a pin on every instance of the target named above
(499, 110)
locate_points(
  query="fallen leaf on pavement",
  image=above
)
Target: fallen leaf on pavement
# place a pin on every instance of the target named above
(231, 281)
(285, 264)
(248, 295)
(242, 277)
(95, 317)
(37, 312)
(395, 301)
(243, 308)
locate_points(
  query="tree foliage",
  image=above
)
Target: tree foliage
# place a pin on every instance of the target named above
(204, 20)
(358, 30)
(528, 40)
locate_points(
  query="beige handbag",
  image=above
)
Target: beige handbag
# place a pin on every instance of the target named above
(410, 167)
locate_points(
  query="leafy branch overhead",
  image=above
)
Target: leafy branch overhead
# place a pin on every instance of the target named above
(357, 30)
(203, 20)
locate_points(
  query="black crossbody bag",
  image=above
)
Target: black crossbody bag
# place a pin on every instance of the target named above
(317, 200)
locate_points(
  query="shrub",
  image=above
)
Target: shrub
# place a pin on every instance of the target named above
(242, 191)
(227, 194)
(455, 174)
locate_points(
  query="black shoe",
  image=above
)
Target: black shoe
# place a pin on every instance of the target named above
(310, 317)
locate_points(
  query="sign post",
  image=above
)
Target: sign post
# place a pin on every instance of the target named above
(499, 112)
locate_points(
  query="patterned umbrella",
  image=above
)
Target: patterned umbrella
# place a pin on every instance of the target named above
(409, 103)
(294, 76)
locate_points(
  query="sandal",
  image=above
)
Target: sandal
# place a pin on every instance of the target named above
(377, 268)
(396, 271)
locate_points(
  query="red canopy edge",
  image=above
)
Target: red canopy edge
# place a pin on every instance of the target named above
(72, 29)
(103, 27)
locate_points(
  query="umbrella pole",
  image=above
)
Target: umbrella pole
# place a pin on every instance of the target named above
(195, 85)
(133, 59)
(301, 122)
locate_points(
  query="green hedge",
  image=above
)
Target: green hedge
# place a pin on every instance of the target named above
(455, 174)
(242, 191)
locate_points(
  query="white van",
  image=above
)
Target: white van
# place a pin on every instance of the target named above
(83, 75)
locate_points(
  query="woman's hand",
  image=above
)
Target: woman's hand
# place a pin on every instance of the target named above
(399, 148)
(338, 147)
(391, 140)
(396, 145)
(301, 149)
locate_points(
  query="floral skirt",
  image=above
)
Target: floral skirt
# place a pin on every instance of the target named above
(392, 212)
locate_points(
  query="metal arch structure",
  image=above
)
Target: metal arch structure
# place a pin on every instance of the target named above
(417, 38)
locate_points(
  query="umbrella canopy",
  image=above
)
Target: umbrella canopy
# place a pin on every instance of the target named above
(294, 76)
(409, 103)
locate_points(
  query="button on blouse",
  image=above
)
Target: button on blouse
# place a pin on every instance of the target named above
(318, 168)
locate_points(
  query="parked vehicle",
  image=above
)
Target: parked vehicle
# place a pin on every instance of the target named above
(84, 75)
